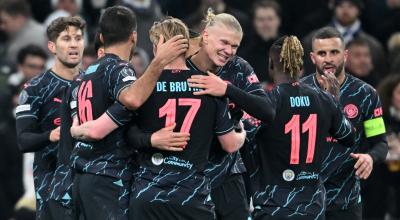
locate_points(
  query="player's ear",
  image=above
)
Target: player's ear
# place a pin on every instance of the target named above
(312, 56)
(133, 37)
(154, 49)
(51, 46)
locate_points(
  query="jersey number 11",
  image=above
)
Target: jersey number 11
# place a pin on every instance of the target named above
(309, 125)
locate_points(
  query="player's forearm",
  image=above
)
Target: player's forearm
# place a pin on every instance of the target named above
(136, 94)
(29, 137)
(379, 149)
(137, 138)
(256, 106)
(32, 142)
(94, 130)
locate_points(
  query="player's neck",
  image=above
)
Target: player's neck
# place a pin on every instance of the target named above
(120, 50)
(177, 64)
(65, 72)
(198, 60)
(281, 78)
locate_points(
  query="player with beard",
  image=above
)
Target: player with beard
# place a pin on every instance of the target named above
(290, 145)
(38, 114)
(344, 167)
(111, 79)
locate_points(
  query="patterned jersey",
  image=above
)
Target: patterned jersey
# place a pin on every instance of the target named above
(362, 106)
(238, 72)
(61, 184)
(39, 112)
(99, 88)
(178, 177)
(290, 149)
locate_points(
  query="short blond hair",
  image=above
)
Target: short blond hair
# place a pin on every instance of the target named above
(225, 19)
(168, 27)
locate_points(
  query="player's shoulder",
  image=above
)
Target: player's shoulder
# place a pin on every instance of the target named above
(238, 63)
(309, 79)
(358, 83)
(39, 81)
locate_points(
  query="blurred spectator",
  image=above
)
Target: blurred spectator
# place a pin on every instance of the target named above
(174, 8)
(140, 61)
(381, 18)
(63, 8)
(266, 22)
(16, 21)
(346, 21)
(89, 56)
(359, 62)
(394, 52)
(11, 187)
(31, 62)
(147, 12)
(195, 21)
(389, 91)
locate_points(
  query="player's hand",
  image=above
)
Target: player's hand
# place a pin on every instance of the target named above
(363, 165)
(211, 84)
(331, 84)
(167, 139)
(171, 49)
(55, 135)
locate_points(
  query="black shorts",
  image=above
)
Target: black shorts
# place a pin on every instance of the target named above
(230, 199)
(58, 211)
(353, 213)
(166, 211)
(100, 197)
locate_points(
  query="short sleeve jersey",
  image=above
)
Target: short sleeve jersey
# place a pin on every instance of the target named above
(99, 88)
(291, 147)
(203, 117)
(40, 100)
(362, 106)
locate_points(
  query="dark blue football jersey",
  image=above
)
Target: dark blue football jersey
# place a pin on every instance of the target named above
(238, 72)
(287, 182)
(99, 89)
(39, 105)
(362, 106)
(178, 177)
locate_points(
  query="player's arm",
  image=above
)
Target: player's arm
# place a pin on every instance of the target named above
(374, 129)
(115, 116)
(258, 106)
(138, 92)
(163, 139)
(30, 137)
(229, 139)
(249, 82)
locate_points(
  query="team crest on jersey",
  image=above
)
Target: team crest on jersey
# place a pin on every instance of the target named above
(351, 111)
(288, 175)
(157, 159)
(23, 97)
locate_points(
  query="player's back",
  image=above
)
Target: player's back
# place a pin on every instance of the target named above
(295, 139)
(290, 149)
(99, 89)
(173, 101)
